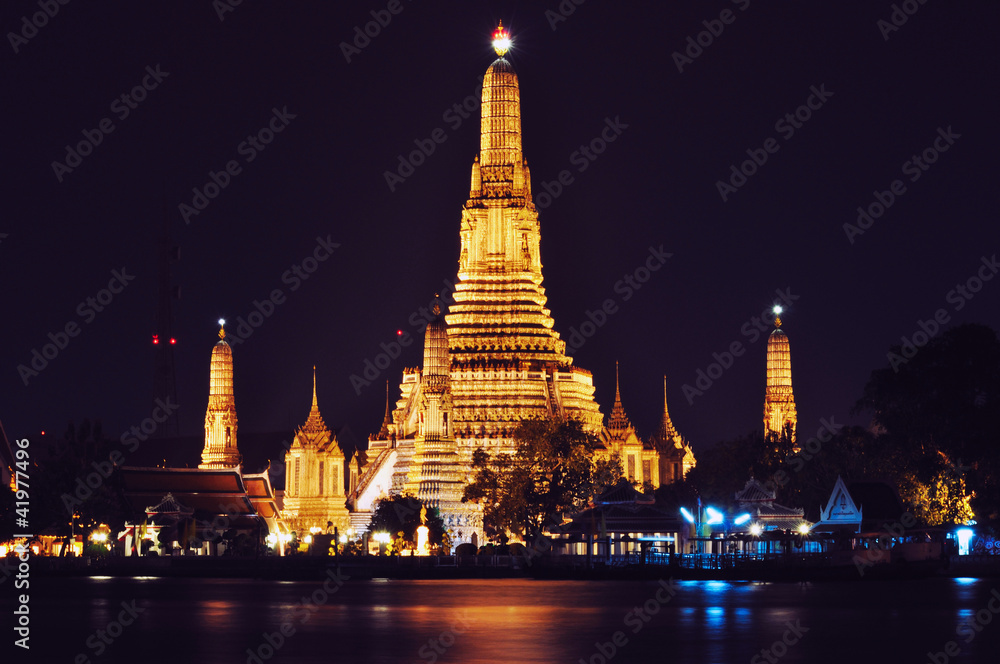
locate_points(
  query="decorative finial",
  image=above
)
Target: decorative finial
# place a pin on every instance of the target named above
(222, 328)
(617, 393)
(315, 404)
(777, 315)
(501, 40)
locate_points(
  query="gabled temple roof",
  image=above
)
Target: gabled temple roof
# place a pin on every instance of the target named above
(755, 492)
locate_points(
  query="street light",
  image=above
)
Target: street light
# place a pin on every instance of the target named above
(741, 519)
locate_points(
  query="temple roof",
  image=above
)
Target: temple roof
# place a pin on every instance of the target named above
(314, 423)
(618, 421)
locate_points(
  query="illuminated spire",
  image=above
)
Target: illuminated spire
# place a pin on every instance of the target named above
(618, 420)
(779, 399)
(667, 433)
(220, 449)
(501, 40)
(383, 433)
(314, 423)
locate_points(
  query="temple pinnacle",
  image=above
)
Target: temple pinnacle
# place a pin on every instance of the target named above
(501, 40)
(222, 328)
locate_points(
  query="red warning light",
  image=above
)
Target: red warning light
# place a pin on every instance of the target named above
(399, 333)
(156, 339)
(172, 341)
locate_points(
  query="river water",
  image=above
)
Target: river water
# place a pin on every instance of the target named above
(508, 620)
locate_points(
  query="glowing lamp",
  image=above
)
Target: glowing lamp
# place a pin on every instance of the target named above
(687, 515)
(804, 529)
(308, 539)
(172, 341)
(777, 309)
(222, 321)
(964, 536)
(156, 339)
(755, 529)
(741, 519)
(714, 516)
(501, 40)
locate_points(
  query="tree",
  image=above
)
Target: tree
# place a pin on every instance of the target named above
(937, 411)
(400, 516)
(551, 472)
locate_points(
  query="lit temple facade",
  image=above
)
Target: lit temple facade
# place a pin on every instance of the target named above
(779, 401)
(315, 477)
(495, 358)
(220, 418)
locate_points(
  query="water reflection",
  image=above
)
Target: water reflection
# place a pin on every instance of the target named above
(484, 621)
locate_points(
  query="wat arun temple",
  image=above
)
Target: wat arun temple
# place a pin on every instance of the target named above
(491, 361)
(495, 358)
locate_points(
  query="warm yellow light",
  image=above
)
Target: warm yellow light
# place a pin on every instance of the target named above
(314, 530)
(755, 529)
(501, 40)
(308, 539)
(99, 537)
(804, 529)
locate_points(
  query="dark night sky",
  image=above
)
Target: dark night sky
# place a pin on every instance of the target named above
(655, 185)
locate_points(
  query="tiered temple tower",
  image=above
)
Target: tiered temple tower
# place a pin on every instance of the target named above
(314, 476)
(504, 361)
(676, 457)
(638, 459)
(435, 473)
(220, 419)
(508, 363)
(779, 401)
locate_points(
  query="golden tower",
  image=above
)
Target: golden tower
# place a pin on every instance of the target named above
(220, 418)
(779, 401)
(507, 361)
(314, 476)
(435, 472)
